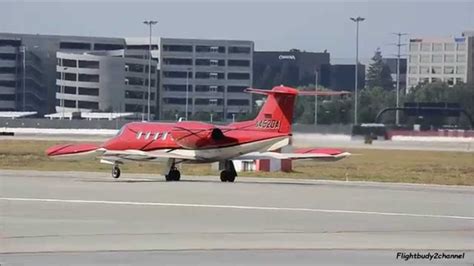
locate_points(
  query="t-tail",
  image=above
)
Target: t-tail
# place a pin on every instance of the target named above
(276, 114)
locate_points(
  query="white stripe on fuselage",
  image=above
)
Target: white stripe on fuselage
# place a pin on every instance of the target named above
(200, 155)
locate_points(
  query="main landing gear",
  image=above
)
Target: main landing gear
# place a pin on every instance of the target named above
(173, 174)
(229, 173)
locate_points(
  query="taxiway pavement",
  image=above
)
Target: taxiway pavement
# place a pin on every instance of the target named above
(91, 212)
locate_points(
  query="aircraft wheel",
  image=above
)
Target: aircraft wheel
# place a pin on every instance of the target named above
(227, 176)
(115, 171)
(223, 176)
(173, 175)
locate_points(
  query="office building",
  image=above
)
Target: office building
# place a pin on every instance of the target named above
(215, 73)
(292, 68)
(107, 81)
(392, 65)
(342, 77)
(439, 59)
(32, 57)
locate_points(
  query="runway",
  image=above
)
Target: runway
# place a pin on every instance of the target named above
(62, 212)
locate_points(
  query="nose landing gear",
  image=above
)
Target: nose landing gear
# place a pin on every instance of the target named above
(115, 171)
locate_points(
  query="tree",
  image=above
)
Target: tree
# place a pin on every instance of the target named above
(463, 94)
(379, 74)
(371, 101)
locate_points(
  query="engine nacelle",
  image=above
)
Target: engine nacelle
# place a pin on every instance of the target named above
(193, 135)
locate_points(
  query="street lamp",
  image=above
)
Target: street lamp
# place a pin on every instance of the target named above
(150, 23)
(399, 44)
(187, 93)
(316, 79)
(356, 20)
(63, 74)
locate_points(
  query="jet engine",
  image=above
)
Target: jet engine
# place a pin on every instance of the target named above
(194, 135)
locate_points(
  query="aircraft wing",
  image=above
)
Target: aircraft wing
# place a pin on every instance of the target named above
(300, 154)
(137, 155)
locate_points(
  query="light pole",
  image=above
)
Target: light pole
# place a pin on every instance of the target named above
(356, 20)
(150, 23)
(187, 93)
(63, 74)
(23, 98)
(316, 79)
(399, 44)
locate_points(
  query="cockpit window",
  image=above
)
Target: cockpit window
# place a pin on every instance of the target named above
(120, 132)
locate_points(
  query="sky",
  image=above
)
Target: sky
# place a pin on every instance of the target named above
(272, 25)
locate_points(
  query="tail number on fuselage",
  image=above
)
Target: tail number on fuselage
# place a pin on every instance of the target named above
(268, 124)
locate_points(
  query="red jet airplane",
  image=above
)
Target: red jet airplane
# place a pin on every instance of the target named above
(198, 142)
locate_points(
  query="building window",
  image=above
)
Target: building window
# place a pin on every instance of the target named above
(459, 81)
(436, 70)
(134, 68)
(7, 56)
(461, 58)
(209, 88)
(449, 70)
(412, 82)
(424, 58)
(176, 74)
(413, 70)
(435, 80)
(210, 49)
(134, 81)
(209, 75)
(460, 70)
(413, 58)
(88, 77)
(70, 90)
(75, 45)
(425, 47)
(180, 101)
(437, 47)
(437, 58)
(238, 76)
(213, 102)
(461, 47)
(88, 64)
(89, 91)
(69, 104)
(177, 61)
(424, 70)
(70, 76)
(449, 58)
(449, 47)
(88, 105)
(237, 102)
(414, 47)
(69, 63)
(133, 108)
(7, 83)
(177, 48)
(239, 50)
(108, 46)
(210, 62)
(239, 63)
(176, 88)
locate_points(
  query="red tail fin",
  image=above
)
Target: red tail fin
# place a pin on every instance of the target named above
(277, 112)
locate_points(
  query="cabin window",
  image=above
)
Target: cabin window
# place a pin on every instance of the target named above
(157, 135)
(139, 134)
(147, 136)
(165, 134)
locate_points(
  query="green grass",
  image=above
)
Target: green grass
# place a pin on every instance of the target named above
(430, 167)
